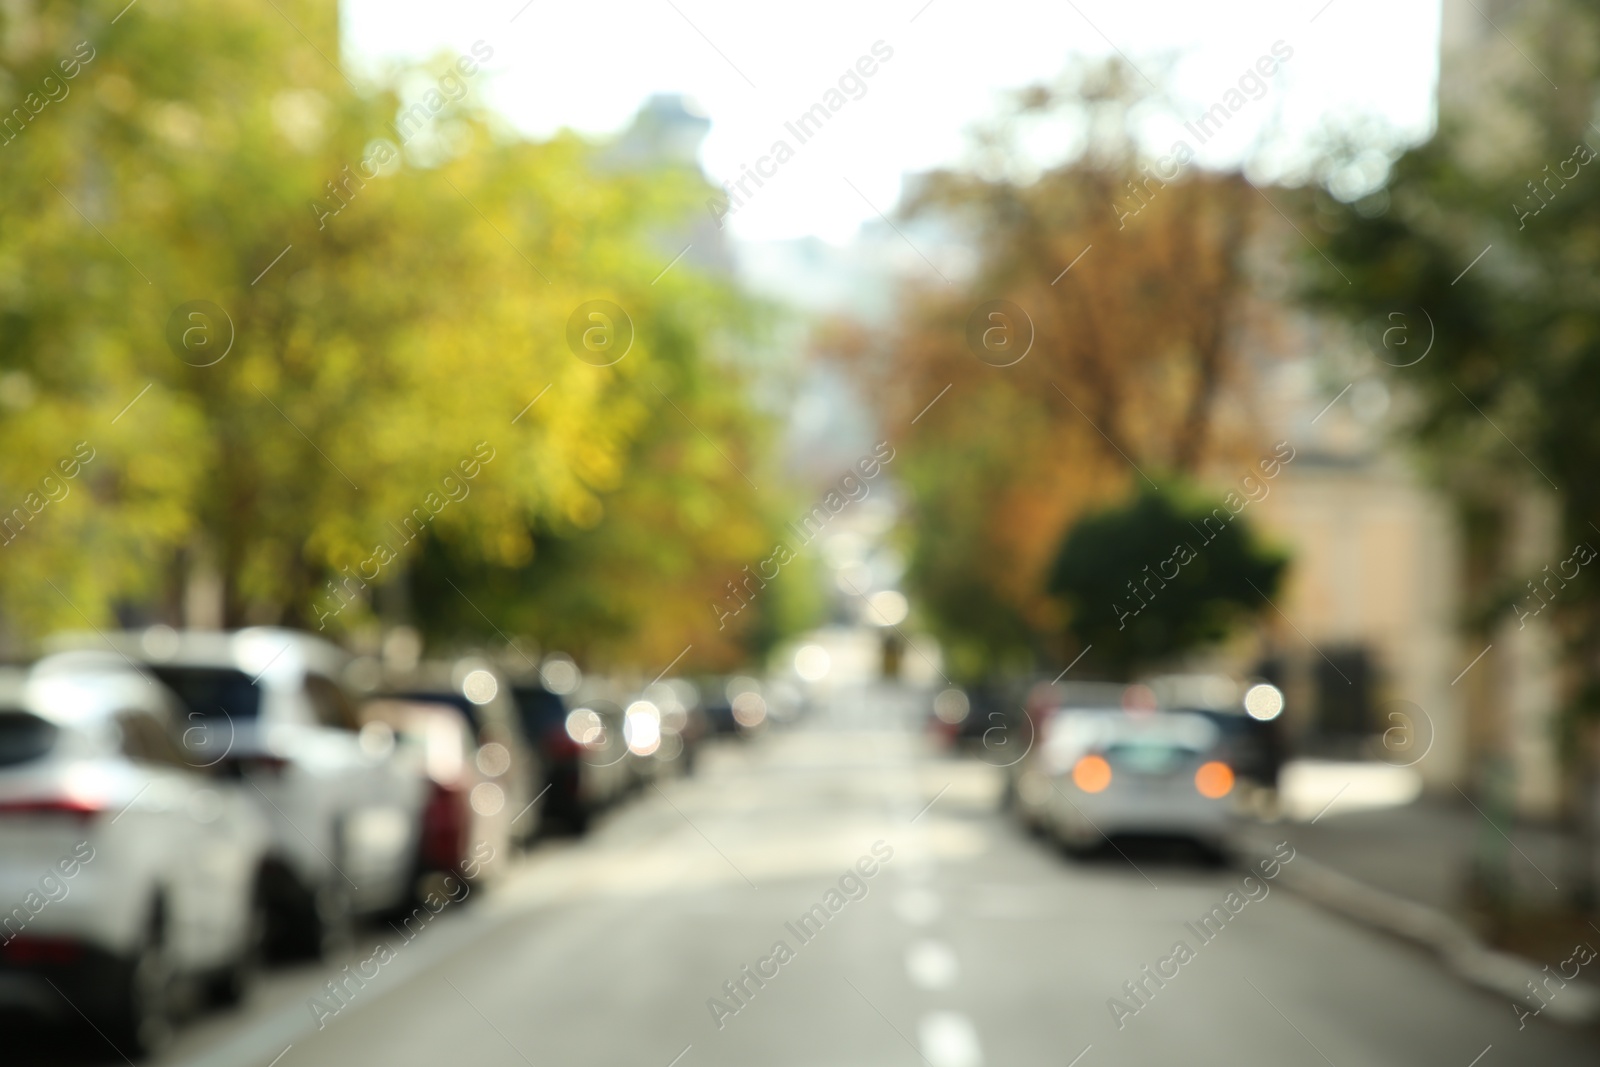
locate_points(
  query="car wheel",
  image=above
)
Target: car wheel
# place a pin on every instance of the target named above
(141, 1014)
(578, 820)
(1078, 848)
(334, 918)
(233, 984)
(306, 923)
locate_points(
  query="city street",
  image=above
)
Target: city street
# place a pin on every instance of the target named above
(833, 534)
(972, 944)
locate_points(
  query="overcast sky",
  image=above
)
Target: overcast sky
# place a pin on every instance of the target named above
(754, 66)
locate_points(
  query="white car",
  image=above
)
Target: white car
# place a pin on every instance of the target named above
(466, 825)
(270, 706)
(1116, 773)
(125, 871)
(512, 772)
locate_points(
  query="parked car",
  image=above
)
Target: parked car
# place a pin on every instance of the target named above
(717, 703)
(465, 831)
(1136, 773)
(583, 755)
(736, 705)
(985, 721)
(683, 717)
(127, 873)
(597, 724)
(269, 706)
(664, 724)
(514, 772)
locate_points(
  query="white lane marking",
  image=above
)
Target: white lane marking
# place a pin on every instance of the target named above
(932, 965)
(918, 907)
(949, 1039)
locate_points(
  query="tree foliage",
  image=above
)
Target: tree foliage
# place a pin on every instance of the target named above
(1137, 361)
(391, 312)
(1481, 249)
(1164, 574)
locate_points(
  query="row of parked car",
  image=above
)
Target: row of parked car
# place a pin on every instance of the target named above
(1088, 764)
(176, 807)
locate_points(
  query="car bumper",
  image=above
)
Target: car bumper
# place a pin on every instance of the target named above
(1082, 817)
(93, 911)
(60, 989)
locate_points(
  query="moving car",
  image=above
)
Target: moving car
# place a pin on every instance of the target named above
(127, 873)
(269, 706)
(1136, 773)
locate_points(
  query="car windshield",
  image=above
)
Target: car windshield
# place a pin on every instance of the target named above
(213, 691)
(24, 737)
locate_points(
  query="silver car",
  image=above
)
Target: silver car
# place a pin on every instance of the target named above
(1117, 773)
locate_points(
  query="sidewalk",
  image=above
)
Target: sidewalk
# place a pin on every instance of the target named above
(1424, 852)
(1405, 871)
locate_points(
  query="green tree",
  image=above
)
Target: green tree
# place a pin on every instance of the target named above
(1471, 272)
(1126, 269)
(1164, 574)
(395, 274)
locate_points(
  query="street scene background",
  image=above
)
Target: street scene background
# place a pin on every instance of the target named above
(676, 534)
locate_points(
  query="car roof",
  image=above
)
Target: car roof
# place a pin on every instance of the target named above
(81, 688)
(270, 653)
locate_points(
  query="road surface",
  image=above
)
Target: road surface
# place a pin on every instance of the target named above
(968, 943)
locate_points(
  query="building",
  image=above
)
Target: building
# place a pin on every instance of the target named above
(1366, 638)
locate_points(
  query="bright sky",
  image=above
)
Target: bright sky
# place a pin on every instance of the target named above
(754, 66)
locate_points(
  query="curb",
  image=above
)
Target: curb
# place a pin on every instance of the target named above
(1458, 948)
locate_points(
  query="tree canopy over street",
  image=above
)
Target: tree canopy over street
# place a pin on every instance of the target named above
(389, 273)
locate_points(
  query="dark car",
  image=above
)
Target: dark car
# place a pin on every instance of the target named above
(1255, 748)
(1253, 736)
(734, 706)
(582, 751)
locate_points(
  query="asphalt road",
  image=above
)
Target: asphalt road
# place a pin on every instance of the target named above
(969, 944)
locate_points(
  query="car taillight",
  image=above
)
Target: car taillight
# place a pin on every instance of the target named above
(560, 745)
(1214, 780)
(444, 829)
(36, 950)
(81, 808)
(1091, 774)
